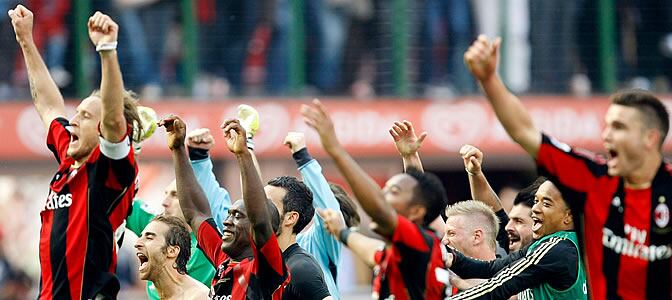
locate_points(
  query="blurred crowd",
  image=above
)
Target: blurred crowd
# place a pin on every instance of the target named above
(360, 48)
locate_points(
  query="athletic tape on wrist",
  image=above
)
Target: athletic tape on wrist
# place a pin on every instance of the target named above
(106, 46)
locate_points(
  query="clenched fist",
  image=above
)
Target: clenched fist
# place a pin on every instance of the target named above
(481, 58)
(22, 21)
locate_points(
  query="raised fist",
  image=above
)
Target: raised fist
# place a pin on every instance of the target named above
(472, 157)
(295, 141)
(481, 58)
(22, 20)
(200, 138)
(102, 29)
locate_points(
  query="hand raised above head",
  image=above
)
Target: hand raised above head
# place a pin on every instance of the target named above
(235, 136)
(176, 129)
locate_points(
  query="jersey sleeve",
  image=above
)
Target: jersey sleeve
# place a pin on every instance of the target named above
(308, 280)
(323, 198)
(269, 266)
(572, 170)
(548, 263)
(58, 138)
(218, 197)
(210, 242)
(139, 217)
(468, 268)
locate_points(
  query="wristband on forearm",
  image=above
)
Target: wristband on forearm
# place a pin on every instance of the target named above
(344, 234)
(250, 143)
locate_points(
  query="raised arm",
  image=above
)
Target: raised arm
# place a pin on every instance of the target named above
(253, 189)
(408, 144)
(365, 189)
(480, 188)
(103, 32)
(481, 59)
(323, 197)
(363, 246)
(192, 199)
(46, 96)
(199, 142)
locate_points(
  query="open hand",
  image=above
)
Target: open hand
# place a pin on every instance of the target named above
(405, 140)
(316, 116)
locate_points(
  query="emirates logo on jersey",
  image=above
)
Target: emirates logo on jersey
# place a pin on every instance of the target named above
(662, 215)
(56, 201)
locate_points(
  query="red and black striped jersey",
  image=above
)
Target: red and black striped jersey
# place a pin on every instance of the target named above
(626, 233)
(85, 206)
(264, 276)
(406, 269)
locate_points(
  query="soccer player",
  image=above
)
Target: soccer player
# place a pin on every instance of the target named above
(294, 201)
(316, 240)
(624, 199)
(549, 268)
(471, 228)
(90, 195)
(246, 254)
(164, 247)
(198, 266)
(409, 202)
(518, 223)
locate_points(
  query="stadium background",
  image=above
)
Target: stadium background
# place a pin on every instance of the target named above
(372, 61)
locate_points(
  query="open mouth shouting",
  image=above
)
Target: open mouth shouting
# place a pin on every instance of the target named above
(144, 263)
(536, 225)
(514, 239)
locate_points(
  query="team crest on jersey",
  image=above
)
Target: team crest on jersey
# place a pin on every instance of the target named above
(662, 215)
(616, 201)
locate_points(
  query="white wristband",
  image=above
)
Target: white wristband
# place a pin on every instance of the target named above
(106, 46)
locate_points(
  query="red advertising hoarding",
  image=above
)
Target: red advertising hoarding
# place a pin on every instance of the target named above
(361, 126)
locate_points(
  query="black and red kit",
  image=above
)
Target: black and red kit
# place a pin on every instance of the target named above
(626, 233)
(264, 276)
(84, 209)
(406, 269)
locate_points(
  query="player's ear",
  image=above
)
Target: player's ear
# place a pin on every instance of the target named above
(173, 251)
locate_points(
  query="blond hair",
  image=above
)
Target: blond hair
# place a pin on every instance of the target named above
(478, 215)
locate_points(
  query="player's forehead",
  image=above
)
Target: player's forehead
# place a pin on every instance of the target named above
(171, 187)
(549, 191)
(402, 181)
(623, 114)
(238, 206)
(91, 104)
(520, 211)
(155, 228)
(455, 222)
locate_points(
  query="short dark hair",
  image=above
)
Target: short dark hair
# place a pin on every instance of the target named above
(654, 111)
(527, 194)
(298, 199)
(348, 207)
(177, 235)
(430, 193)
